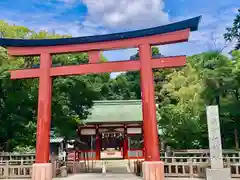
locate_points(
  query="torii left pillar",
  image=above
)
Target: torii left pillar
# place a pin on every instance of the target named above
(42, 169)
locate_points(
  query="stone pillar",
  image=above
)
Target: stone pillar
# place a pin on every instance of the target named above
(153, 168)
(42, 171)
(217, 170)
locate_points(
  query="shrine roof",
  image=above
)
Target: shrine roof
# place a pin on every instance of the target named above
(191, 24)
(115, 111)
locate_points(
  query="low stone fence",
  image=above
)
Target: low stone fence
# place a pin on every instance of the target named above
(191, 167)
(13, 166)
(15, 169)
(188, 163)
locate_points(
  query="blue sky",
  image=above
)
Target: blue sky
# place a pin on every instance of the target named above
(90, 17)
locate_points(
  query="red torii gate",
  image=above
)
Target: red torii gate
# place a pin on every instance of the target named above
(143, 39)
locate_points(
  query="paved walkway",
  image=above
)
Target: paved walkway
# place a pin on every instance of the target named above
(99, 176)
(109, 176)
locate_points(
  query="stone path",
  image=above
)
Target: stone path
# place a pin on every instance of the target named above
(109, 176)
(106, 176)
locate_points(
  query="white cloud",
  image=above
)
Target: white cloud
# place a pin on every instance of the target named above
(106, 16)
(126, 14)
(46, 21)
(212, 29)
(208, 37)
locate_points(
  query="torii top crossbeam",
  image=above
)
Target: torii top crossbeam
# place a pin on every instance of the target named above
(105, 42)
(142, 39)
(168, 34)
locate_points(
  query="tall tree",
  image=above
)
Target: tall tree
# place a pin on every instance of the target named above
(233, 33)
(72, 96)
(180, 111)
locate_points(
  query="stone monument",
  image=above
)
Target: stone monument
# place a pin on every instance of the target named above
(217, 170)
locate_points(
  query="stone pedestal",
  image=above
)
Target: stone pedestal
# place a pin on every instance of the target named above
(63, 171)
(42, 171)
(218, 174)
(153, 170)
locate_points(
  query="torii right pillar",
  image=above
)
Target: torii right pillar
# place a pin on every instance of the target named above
(153, 168)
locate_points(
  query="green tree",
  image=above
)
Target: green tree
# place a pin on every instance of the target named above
(181, 109)
(72, 96)
(209, 78)
(16, 111)
(230, 105)
(216, 71)
(233, 33)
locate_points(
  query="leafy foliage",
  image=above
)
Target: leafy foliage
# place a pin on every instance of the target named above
(234, 32)
(72, 96)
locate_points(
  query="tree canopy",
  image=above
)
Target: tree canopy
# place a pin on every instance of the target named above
(72, 95)
(233, 33)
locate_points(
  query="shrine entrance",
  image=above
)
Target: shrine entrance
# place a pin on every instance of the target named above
(153, 168)
(112, 130)
(112, 145)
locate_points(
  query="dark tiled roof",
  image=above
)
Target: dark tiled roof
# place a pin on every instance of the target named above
(114, 111)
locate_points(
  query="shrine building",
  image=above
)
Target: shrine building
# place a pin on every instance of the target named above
(113, 130)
